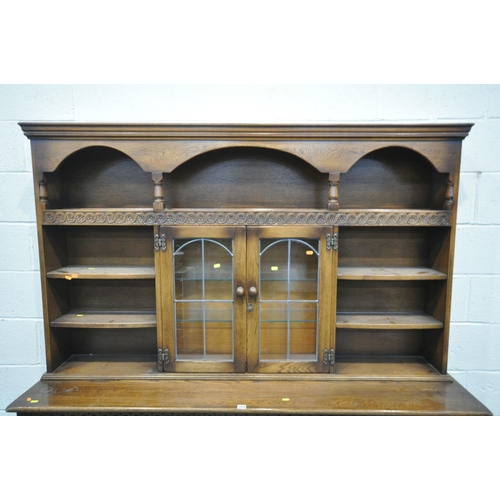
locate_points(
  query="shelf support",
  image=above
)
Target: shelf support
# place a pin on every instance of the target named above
(333, 192)
(159, 194)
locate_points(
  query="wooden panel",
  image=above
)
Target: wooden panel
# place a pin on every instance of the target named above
(160, 311)
(113, 295)
(113, 341)
(391, 178)
(394, 321)
(103, 272)
(246, 177)
(211, 365)
(353, 342)
(115, 246)
(375, 296)
(383, 247)
(265, 397)
(439, 248)
(240, 310)
(100, 177)
(389, 273)
(55, 253)
(166, 297)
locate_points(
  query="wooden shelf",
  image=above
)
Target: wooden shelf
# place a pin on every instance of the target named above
(384, 366)
(88, 366)
(103, 272)
(389, 273)
(388, 321)
(129, 367)
(86, 319)
(260, 397)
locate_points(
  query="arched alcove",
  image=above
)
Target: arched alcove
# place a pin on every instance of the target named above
(99, 177)
(243, 177)
(392, 178)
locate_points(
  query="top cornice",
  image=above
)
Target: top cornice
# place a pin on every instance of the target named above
(243, 132)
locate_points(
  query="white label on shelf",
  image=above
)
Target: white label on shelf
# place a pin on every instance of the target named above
(241, 407)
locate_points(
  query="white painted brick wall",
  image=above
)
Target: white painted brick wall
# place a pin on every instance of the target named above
(474, 358)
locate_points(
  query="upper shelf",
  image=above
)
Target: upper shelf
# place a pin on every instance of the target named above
(103, 272)
(113, 320)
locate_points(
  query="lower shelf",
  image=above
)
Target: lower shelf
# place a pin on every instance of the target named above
(388, 320)
(384, 366)
(247, 397)
(346, 367)
(89, 366)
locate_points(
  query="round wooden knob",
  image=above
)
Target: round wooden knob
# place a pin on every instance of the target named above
(240, 291)
(252, 290)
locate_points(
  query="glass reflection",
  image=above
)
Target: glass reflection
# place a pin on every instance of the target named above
(288, 305)
(204, 299)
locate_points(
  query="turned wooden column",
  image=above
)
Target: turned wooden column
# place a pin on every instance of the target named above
(333, 192)
(159, 195)
(450, 187)
(42, 191)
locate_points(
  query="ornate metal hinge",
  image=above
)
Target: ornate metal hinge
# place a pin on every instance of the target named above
(160, 242)
(332, 241)
(329, 357)
(163, 359)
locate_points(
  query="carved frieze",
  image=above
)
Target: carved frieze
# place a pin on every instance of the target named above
(257, 218)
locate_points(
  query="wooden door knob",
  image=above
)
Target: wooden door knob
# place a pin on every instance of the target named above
(240, 291)
(252, 291)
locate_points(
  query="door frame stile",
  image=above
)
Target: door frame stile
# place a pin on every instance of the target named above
(333, 302)
(167, 298)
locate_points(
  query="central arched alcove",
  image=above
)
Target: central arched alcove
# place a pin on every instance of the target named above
(243, 177)
(392, 178)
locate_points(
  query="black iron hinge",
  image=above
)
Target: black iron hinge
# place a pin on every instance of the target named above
(329, 357)
(160, 242)
(332, 241)
(163, 359)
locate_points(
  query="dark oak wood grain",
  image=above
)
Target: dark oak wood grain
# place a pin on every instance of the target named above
(159, 296)
(252, 397)
(329, 148)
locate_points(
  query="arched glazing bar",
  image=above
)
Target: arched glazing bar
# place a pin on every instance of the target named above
(204, 312)
(289, 299)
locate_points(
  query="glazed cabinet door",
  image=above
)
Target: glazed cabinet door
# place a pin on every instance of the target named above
(290, 273)
(203, 309)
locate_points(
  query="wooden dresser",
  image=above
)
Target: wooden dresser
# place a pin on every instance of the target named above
(246, 269)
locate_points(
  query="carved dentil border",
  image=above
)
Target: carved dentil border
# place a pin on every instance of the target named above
(261, 218)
